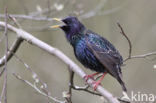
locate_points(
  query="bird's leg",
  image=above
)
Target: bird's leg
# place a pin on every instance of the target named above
(90, 76)
(97, 83)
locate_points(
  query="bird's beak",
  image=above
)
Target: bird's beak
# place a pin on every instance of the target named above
(56, 26)
(57, 19)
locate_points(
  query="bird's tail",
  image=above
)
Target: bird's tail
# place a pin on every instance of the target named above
(122, 84)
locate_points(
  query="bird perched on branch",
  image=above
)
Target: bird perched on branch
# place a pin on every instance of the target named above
(92, 50)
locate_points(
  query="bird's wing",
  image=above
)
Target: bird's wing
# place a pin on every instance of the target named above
(106, 53)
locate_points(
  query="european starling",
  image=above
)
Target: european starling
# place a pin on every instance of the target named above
(92, 50)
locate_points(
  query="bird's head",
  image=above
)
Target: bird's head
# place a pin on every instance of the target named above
(72, 26)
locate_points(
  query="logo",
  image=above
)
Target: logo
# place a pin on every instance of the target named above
(139, 97)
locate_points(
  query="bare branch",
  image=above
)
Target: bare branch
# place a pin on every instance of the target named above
(2, 71)
(129, 42)
(6, 51)
(29, 17)
(32, 40)
(14, 46)
(33, 85)
(4, 89)
(34, 74)
(85, 88)
(15, 21)
(124, 101)
(71, 77)
(141, 56)
(43, 87)
(12, 49)
(36, 15)
(144, 55)
(33, 15)
(130, 48)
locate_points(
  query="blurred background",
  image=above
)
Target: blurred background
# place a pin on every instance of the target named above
(137, 18)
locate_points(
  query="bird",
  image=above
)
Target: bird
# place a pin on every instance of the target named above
(92, 50)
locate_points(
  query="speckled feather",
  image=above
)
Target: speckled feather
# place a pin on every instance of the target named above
(92, 50)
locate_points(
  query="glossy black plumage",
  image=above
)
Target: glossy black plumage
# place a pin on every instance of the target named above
(92, 50)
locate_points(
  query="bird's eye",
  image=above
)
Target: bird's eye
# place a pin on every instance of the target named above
(68, 22)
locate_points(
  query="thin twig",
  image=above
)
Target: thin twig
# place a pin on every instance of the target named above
(2, 71)
(72, 86)
(6, 51)
(36, 14)
(144, 55)
(12, 49)
(15, 21)
(71, 78)
(29, 17)
(130, 47)
(141, 56)
(4, 89)
(33, 85)
(124, 101)
(129, 42)
(85, 88)
(35, 76)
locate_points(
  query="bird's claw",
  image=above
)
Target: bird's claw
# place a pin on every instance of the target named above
(96, 84)
(87, 77)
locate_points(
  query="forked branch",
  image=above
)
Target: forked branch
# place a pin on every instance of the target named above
(74, 67)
